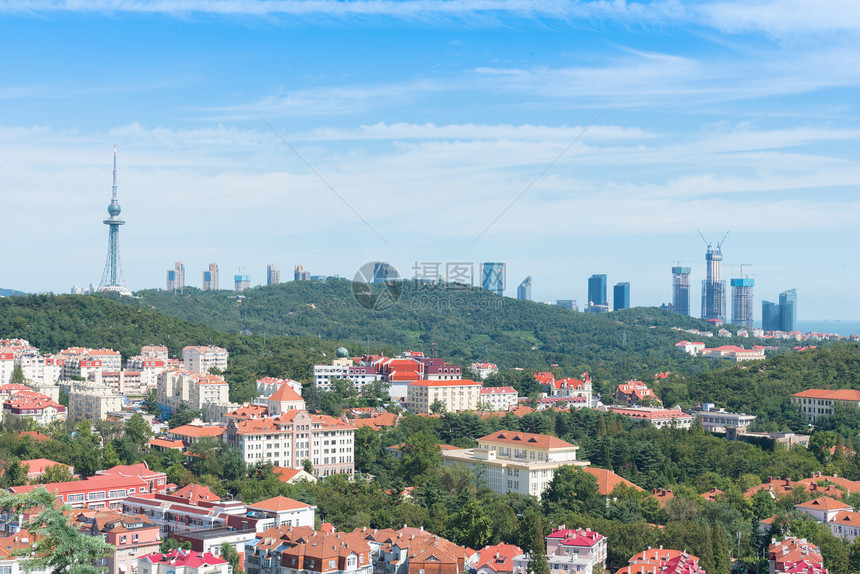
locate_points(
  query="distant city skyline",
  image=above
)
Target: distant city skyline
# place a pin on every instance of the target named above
(561, 138)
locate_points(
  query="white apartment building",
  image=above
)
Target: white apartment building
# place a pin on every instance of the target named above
(208, 389)
(148, 367)
(818, 403)
(202, 358)
(484, 370)
(268, 385)
(518, 462)
(81, 362)
(455, 396)
(40, 368)
(845, 525)
(718, 420)
(499, 398)
(295, 436)
(41, 408)
(360, 375)
(7, 365)
(175, 387)
(92, 402)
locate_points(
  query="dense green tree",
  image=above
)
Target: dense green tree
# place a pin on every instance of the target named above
(420, 453)
(230, 554)
(572, 490)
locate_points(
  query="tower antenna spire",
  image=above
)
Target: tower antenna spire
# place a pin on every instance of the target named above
(113, 189)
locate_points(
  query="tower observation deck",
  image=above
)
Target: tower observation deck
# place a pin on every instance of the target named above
(112, 279)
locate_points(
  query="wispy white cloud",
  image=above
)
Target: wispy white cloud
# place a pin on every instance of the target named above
(783, 17)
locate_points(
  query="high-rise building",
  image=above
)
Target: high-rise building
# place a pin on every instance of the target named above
(770, 316)
(681, 290)
(112, 279)
(300, 274)
(713, 287)
(210, 278)
(384, 272)
(493, 277)
(273, 275)
(597, 290)
(742, 302)
(621, 296)
(566, 304)
(241, 282)
(176, 277)
(788, 310)
(524, 291)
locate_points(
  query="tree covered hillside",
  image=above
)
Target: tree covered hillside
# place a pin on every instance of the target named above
(460, 325)
(54, 322)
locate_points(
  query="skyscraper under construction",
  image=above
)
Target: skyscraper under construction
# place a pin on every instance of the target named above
(713, 287)
(742, 302)
(681, 290)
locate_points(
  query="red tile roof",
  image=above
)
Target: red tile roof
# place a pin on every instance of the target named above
(608, 480)
(452, 383)
(278, 504)
(526, 439)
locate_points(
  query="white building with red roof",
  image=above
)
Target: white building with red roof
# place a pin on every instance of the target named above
(268, 385)
(518, 462)
(733, 353)
(183, 562)
(498, 398)
(795, 556)
(633, 393)
(484, 369)
(36, 467)
(845, 525)
(570, 551)
(282, 511)
(818, 404)
(823, 508)
(657, 417)
(41, 408)
(175, 514)
(293, 437)
(662, 561)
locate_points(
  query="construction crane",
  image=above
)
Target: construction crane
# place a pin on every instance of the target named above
(708, 243)
(741, 266)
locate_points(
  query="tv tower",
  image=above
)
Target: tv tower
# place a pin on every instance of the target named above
(112, 279)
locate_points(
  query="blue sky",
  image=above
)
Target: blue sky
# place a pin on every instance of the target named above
(429, 118)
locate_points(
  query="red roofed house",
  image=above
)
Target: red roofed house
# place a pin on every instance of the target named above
(191, 433)
(657, 417)
(824, 508)
(41, 408)
(37, 467)
(571, 551)
(516, 462)
(132, 536)
(329, 553)
(183, 562)
(414, 550)
(484, 370)
(292, 475)
(284, 399)
(498, 398)
(795, 556)
(818, 403)
(455, 396)
(662, 561)
(632, 393)
(608, 480)
(845, 525)
(497, 559)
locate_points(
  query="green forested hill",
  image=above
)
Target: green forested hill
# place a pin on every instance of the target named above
(460, 325)
(54, 322)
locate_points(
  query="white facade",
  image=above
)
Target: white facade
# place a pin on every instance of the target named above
(719, 420)
(523, 463)
(92, 402)
(203, 358)
(360, 376)
(455, 396)
(499, 398)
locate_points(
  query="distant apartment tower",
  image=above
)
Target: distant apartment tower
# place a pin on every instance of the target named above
(300, 274)
(176, 277)
(788, 310)
(273, 275)
(770, 316)
(621, 296)
(597, 290)
(384, 272)
(241, 282)
(713, 287)
(524, 291)
(742, 302)
(210, 278)
(681, 290)
(566, 304)
(493, 277)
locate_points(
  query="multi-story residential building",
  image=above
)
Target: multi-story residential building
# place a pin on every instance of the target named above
(45, 369)
(172, 514)
(845, 525)
(570, 551)
(210, 278)
(359, 375)
(189, 388)
(524, 291)
(718, 420)
(523, 463)
(268, 385)
(92, 402)
(82, 362)
(295, 436)
(299, 273)
(633, 393)
(497, 559)
(200, 359)
(100, 491)
(823, 508)
(818, 404)
(208, 389)
(498, 398)
(183, 562)
(210, 541)
(132, 536)
(657, 417)
(282, 511)
(483, 369)
(41, 408)
(7, 365)
(127, 383)
(454, 396)
(328, 553)
(411, 550)
(438, 370)
(568, 387)
(273, 275)
(148, 367)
